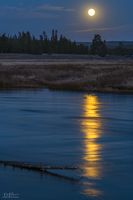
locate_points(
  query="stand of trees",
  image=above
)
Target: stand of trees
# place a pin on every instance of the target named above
(100, 47)
(24, 42)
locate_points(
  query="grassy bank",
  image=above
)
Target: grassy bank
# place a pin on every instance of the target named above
(67, 73)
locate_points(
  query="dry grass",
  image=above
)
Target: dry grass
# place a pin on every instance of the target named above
(88, 75)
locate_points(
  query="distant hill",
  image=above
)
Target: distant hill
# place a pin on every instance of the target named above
(112, 44)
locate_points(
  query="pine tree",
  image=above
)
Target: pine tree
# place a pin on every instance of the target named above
(98, 47)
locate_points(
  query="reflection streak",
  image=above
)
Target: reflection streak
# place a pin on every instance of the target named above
(91, 128)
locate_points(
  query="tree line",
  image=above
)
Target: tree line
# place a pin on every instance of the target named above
(25, 42)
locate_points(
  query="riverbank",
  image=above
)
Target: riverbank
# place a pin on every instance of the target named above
(66, 72)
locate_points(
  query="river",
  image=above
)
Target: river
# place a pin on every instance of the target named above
(92, 131)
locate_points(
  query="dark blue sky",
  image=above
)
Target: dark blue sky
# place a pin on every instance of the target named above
(113, 18)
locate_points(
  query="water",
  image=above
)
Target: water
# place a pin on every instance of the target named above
(93, 132)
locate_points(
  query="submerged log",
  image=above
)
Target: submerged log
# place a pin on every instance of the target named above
(41, 169)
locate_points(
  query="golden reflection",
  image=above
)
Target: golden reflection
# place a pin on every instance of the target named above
(91, 128)
(92, 192)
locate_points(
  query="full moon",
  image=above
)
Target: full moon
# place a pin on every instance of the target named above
(91, 12)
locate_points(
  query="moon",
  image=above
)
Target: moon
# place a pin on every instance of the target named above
(91, 12)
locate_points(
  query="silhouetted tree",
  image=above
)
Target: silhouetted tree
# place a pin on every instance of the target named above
(98, 47)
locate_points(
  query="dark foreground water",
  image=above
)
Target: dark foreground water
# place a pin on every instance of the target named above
(94, 132)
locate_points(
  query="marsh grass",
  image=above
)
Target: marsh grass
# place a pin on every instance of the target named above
(88, 76)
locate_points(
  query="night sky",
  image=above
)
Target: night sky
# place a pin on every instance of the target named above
(113, 18)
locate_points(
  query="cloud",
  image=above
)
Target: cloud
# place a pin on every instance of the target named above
(47, 7)
(100, 29)
(44, 11)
